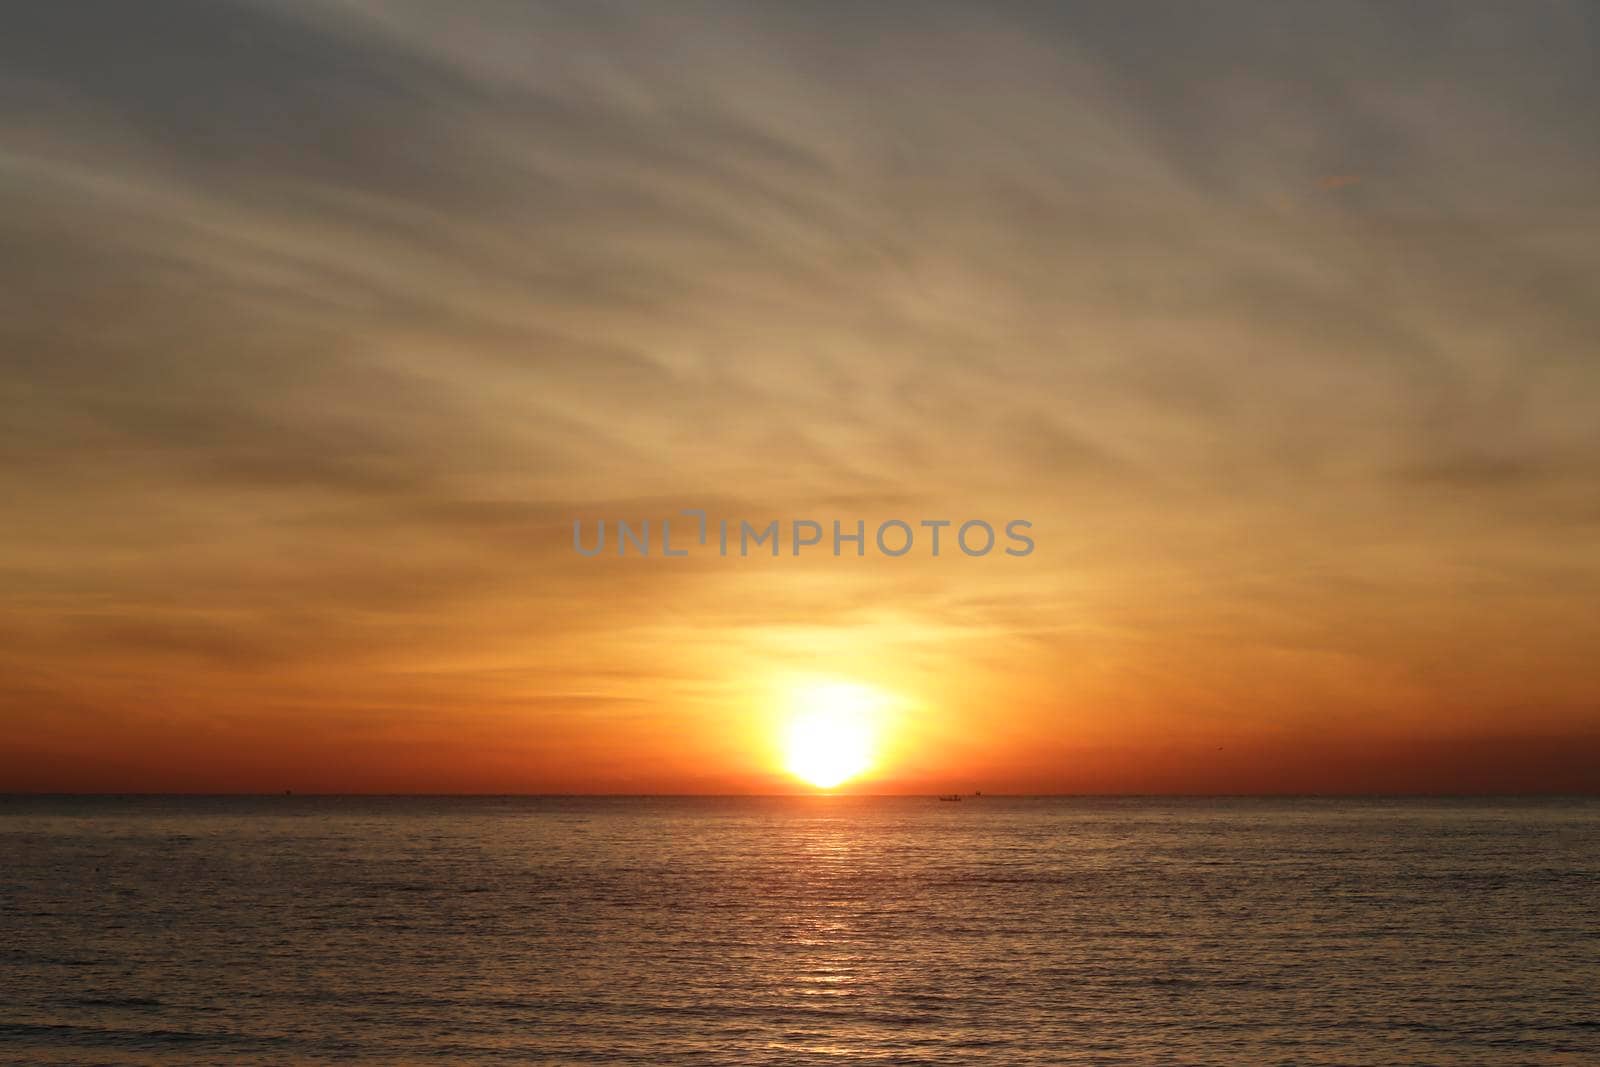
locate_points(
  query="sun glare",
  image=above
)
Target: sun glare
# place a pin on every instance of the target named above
(831, 733)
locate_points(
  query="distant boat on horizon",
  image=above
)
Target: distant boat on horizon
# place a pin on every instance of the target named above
(949, 796)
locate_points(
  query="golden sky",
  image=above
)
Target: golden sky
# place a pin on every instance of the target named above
(322, 322)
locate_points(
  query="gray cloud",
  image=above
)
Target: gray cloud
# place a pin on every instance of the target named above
(348, 306)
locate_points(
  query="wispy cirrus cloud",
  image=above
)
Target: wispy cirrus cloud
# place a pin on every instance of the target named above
(319, 318)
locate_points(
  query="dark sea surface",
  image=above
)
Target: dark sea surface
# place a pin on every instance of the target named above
(799, 930)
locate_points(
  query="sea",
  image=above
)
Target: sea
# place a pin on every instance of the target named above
(799, 930)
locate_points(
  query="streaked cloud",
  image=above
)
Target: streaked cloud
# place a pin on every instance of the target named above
(323, 320)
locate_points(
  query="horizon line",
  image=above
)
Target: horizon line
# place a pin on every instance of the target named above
(294, 794)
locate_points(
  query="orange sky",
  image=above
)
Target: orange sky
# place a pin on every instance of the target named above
(322, 325)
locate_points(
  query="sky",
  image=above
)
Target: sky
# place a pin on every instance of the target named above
(323, 322)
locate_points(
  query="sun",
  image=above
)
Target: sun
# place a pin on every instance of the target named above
(831, 733)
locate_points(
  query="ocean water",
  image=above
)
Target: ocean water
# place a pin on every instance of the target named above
(799, 930)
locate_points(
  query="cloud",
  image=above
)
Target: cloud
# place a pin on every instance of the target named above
(321, 320)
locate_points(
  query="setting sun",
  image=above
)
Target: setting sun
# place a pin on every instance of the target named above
(831, 734)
